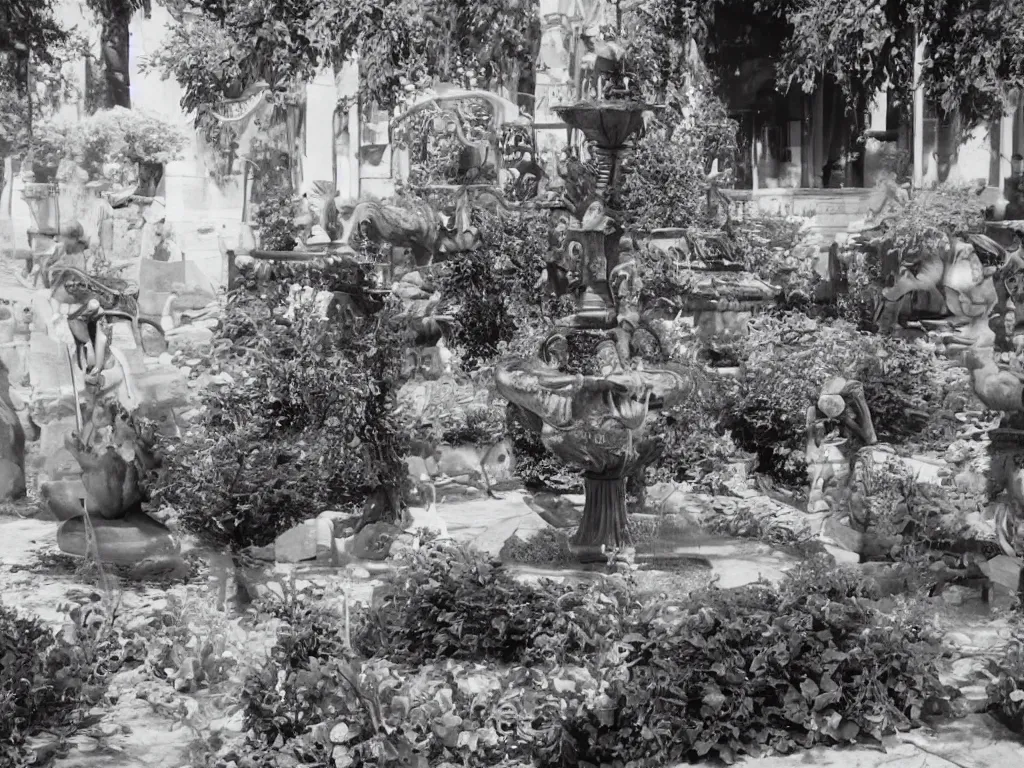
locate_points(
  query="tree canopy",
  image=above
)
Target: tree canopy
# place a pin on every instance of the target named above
(220, 48)
(974, 55)
(34, 45)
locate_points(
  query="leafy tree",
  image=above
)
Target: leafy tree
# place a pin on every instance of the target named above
(974, 54)
(33, 48)
(114, 17)
(285, 42)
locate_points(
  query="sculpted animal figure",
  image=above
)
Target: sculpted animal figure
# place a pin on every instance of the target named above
(428, 234)
(955, 273)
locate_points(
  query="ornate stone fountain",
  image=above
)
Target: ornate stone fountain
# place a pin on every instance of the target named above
(588, 392)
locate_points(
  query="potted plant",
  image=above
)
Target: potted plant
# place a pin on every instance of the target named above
(51, 143)
(151, 143)
(99, 142)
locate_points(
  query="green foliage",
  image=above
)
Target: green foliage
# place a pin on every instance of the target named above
(49, 47)
(49, 680)
(477, 669)
(119, 136)
(398, 42)
(303, 420)
(548, 546)
(490, 291)
(186, 643)
(698, 448)
(931, 214)
(199, 52)
(452, 602)
(667, 185)
(788, 358)
(275, 221)
(1006, 691)
(973, 58)
(535, 465)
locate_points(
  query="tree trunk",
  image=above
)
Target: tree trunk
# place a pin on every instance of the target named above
(115, 37)
(946, 143)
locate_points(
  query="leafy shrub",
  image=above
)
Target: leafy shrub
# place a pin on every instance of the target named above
(452, 602)
(49, 680)
(788, 358)
(305, 422)
(758, 669)
(275, 222)
(698, 449)
(917, 227)
(490, 290)
(1006, 691)
(667, 185)
(187, 643)
(768, 247)
(551, 546)
(588, 675)
(535, 466)
(548, 546)
(309, 647)
(930, 214)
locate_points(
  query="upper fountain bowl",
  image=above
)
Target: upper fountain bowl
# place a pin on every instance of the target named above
(609, 124)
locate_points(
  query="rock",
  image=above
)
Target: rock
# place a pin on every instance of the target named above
(12, 444)
(64, 498)
(297, 544)
(374, 541)
(427, 519)
(843, 536)
(970, 480)
(119, 542)
(340, 555)
(189, 336)
(164, 384)
(163, 566)
(1004, 571)
(57, 461)
(324, 537)
(266, 554)
(358, 572)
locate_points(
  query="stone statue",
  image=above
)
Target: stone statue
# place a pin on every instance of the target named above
(830, 457)
(99, 300)
(417, 226)
(951, 270)
(111, 449)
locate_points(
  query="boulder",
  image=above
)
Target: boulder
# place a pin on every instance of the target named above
(12, 444)
(64, 498)
(128, 541)
(298, 544)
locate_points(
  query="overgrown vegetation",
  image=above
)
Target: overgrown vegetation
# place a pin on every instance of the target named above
(460, 662)
(50, 680)
(300, 419)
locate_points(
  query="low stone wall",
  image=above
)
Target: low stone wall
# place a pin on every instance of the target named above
(831, 210)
